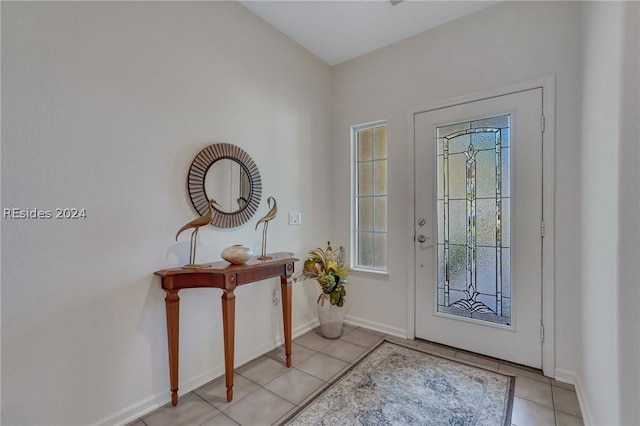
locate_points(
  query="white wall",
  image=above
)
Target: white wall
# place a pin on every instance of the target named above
(600, 149)
(104, 107)
(505, 44)
(611, 227)
(629, 220)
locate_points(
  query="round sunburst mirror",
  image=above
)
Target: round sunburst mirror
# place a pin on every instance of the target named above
(229, 175)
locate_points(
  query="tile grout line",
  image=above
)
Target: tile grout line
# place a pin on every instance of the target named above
(553, 402)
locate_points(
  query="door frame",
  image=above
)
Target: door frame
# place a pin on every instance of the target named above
(547, 84)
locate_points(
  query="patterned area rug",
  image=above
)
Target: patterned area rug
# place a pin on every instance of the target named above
(398, 385)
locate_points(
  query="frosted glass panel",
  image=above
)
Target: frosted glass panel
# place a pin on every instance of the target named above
(380, 143)
(484, 140)
(380, 173)
(459, 144)
(506, 173)
(380, 213)
(440, 222)
(498, 122)
(506, 222)
(365, 145)
(457, 222)
(486, 174)
(505, 137)
(380, 242)
(439, 162)
(506, 273)
(365, 179)
(365, 214)
(506, 307)
(457, 176)
(440, 265)
(365, 245)
(486, 269)
(457, 267)
(486, 222)
(473, 172)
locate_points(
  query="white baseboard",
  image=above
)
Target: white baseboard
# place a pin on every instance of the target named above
(566, 376)
(300, 330)
(382, 328)
(133, 411)
(582, 400)
(153, 402)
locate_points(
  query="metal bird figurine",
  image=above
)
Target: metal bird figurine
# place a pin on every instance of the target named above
(197, 223)
(271, 214)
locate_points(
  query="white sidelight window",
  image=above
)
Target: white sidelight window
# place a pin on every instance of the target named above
(369, 200)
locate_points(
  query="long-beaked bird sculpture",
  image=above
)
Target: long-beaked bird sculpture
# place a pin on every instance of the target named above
(271, 214)
(203, 220)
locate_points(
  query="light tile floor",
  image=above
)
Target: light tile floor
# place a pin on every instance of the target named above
(266, 392)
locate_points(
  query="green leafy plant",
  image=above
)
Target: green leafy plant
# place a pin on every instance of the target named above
(328, 267)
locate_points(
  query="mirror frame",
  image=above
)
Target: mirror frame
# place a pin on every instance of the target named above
(198, 194)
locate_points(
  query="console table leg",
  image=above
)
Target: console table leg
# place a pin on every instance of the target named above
(172, 303)
(228, 324)
(285, 290)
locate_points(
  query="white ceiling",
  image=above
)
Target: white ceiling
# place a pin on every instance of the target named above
(337, 31)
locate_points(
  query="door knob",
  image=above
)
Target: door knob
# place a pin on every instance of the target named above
(421, 238)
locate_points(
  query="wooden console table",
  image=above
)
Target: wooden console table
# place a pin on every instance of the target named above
(226, 277)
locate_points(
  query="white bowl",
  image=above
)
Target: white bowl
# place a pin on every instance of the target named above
(236, 254)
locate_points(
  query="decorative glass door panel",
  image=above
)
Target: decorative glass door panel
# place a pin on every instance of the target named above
(473, 207)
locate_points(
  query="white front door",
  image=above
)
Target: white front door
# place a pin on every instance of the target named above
(478, 248)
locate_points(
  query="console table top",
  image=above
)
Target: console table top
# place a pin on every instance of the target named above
(224, 267)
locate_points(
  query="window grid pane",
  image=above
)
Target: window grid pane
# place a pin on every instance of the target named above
(370, 203)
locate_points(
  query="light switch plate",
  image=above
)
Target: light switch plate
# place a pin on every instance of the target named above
(295, 218)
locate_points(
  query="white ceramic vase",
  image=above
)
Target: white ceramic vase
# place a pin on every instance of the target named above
(236, 254)
(331, 318)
